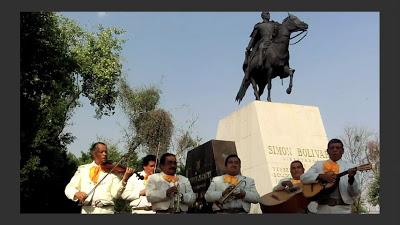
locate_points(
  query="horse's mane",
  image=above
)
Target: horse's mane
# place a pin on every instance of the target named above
(284, 20)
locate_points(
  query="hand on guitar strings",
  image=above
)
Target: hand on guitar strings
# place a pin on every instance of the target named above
(327, 177)
(287, 184)
(351, 173)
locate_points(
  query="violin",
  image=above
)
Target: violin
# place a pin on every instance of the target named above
(118, 170)
(107, 166)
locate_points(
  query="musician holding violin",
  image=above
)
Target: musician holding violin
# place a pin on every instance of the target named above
(97, 184)
(232, 192)
(135, 190)
(343, 176)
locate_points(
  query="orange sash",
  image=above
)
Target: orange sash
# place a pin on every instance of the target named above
(94, 173)
(171, 178)
(230, 179)
(331, 166)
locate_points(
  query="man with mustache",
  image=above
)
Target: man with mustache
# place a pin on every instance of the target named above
(241, 198)
(85, 179)
(339, 201)
(168, 192)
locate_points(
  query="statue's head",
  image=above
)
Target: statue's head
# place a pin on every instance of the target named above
(265, 15)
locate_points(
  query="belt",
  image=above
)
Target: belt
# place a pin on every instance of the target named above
(331, 202)
(235, 210)
(147, 208)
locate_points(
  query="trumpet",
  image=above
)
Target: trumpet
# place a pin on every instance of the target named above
(177, 201)
(223, 199)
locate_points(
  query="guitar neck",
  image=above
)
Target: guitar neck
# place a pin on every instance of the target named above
(344, 172)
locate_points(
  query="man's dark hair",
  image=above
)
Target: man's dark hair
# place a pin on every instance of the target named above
(297, 161)
(231, 156)
(335, 140)
(164, 157)
(147, 159)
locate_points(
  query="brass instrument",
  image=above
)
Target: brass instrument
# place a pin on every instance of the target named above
(177, 200)
(222, 200)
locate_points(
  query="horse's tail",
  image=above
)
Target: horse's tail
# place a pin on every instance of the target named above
(243, 88)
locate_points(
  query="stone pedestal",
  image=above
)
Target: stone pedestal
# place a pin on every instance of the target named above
(268, 136)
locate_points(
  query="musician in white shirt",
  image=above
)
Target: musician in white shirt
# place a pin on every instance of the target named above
(340, 200)
(242, 196)
(85, 179)
(296, 170)
(135, 190)
(168, 192)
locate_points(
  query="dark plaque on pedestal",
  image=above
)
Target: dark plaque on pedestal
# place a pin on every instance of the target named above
(202, 164)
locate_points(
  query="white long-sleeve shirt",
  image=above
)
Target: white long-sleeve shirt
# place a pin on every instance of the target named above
(348, 192)
(156, 192)
(131, 192)
(108, 190)
(217, 186)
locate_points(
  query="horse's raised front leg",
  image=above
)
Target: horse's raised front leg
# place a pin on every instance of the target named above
(290, 72)
(253, 83)
(269, 89)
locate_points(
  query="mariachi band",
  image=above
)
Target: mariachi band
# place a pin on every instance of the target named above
(329, 186)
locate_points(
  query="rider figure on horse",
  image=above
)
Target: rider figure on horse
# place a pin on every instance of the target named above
(267, 55)
(261, 38)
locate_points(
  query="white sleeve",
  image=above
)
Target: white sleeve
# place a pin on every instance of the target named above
(311, 175)
(251, 192)
(116, 187)
(131, 191)
(354, 190)
(189, 197)
(74, 185)
(212, 194)
(153, 192)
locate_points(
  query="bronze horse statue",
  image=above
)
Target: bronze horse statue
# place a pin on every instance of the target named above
(275, 60)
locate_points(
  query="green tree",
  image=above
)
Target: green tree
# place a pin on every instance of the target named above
(374, 151)
(150, 127)
(184, 143)
(59, 63)
(355, 141)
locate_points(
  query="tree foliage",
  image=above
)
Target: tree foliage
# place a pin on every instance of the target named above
(150, 127)
(356, 141)
(59, 62)
(374, 188)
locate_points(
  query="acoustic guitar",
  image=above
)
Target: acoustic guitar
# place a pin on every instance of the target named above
(285, 201)
(314, 190)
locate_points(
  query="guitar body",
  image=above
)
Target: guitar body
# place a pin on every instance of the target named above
(316, 189)
(284, 202)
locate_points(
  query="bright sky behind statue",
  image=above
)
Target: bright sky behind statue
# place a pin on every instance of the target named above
(196, 58)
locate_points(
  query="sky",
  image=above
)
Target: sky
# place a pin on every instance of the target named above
(196, 59)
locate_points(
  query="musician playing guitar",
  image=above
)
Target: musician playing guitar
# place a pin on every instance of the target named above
(287, 195)
(296, 170)
(340, 197)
